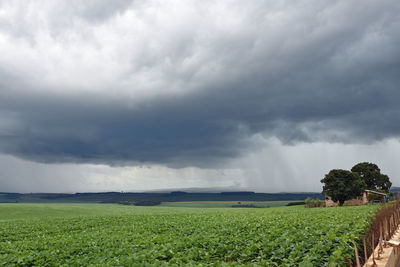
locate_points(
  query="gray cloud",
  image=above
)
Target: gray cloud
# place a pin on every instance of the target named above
(191, 84)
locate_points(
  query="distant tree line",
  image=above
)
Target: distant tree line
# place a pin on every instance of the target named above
(296, 203)
(116, 197)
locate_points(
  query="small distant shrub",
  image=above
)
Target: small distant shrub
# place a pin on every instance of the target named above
(314, 203)
(141, 203)
(245, 206)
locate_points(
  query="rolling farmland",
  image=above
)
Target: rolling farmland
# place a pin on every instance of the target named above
(116, 235)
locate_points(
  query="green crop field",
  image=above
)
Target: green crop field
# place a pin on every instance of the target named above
(116, 235)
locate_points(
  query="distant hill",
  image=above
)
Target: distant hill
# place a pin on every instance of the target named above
(115, 197)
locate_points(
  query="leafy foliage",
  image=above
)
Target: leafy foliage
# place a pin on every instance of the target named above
(342, 185)
(117, 235)
(372, 176)
(314, 203)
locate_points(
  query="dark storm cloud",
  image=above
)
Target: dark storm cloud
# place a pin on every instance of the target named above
(195, 88)
(71, 130)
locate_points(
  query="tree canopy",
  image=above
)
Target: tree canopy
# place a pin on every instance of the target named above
(342, 185)
(372, 176)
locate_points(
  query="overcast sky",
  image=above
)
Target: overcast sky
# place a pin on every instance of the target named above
(141, 95)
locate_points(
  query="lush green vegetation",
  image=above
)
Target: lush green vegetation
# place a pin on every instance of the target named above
(314, 203)
(118, 235)
(225, 204)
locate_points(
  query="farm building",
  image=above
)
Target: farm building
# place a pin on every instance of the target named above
(362, 200)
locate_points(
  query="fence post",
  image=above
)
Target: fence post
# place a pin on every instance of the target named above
(373, 249)
(380, 241)
(356, 252)
(365, 250)
(384, 229)
(393, 225)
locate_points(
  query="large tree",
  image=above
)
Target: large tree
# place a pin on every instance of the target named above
(372, 176)
(342, 185)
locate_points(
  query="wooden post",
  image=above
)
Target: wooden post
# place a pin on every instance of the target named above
(356, 252)
(393, 228)
(380, 241)
(365, 250)
(384, 229)
(398, 214)
(394, 223)
(373, 248)
(387, 228)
